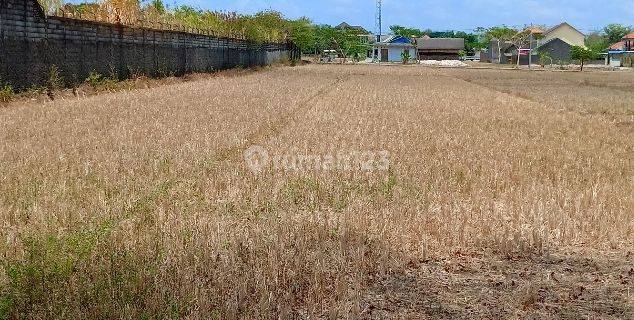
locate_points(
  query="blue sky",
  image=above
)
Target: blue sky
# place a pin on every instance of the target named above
(440, 15)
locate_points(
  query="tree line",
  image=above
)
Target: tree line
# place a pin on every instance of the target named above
(273, 26)
(264, 26)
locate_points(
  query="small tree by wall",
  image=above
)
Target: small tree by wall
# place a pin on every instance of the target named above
(543, 57)
(582, 54)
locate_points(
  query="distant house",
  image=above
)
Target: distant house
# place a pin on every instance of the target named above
(565, 32)
(558, 50)
(439, 48)
(391, 49)
(498, 51)
(358, 29)
(629, 42)
(558, 41)
(506, 52)
(621, 54)
(619, 46)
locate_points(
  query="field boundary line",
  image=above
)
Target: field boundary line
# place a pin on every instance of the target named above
(265, 131)
(541, 104)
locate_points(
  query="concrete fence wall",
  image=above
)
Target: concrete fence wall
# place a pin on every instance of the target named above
(31, 43)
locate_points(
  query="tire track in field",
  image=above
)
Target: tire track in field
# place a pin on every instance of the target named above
(496, 90)
(267, 131)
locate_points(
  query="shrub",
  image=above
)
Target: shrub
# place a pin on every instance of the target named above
(543, 56)
(55, 79)
(99, 82)
(405, 56)
(6, 93)
(462, 54)
(94, 79)
(55, 82)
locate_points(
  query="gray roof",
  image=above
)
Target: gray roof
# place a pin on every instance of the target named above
(550, 41)
(440, 43)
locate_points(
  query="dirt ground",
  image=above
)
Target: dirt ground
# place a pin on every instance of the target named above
(506, 195)
(476, 286)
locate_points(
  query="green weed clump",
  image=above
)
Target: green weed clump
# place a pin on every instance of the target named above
(6, 93)
(71, 274)
(55, 79)
(98, 82)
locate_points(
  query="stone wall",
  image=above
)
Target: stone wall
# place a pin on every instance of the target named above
(32, 43)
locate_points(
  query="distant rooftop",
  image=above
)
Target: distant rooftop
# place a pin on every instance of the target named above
(440, 43)
(346, 26)
(561, 25)
(618, 46)
(535, 30)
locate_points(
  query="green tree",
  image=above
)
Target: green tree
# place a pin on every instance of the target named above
(158, 6)
(471, 41)
(349, 44)
(324, 35)
(406, 32)
(615, 32)
(302, 34)
(582, 54)
(597, 41)
(346, 42)
(500, 32)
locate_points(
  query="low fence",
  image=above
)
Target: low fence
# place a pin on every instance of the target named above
(32, 43)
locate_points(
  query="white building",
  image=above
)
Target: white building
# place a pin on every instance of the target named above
(392, 48)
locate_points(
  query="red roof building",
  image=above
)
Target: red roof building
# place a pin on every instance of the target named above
(629, 42)
(618, 46)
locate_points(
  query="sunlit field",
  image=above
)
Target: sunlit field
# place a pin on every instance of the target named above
(367, 192)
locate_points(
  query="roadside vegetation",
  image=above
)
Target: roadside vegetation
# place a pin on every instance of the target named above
(265, 26)
(96, 84)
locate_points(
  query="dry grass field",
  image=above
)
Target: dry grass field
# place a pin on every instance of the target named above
(508, 195)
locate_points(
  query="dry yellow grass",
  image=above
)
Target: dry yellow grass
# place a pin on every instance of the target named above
(139, 204)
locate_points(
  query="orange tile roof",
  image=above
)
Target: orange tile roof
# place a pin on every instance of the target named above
(535, 30)
(629, 36)
(618, 46)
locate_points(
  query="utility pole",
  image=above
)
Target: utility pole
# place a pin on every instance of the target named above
(530, 48)
(378, 21)
(499, 52)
